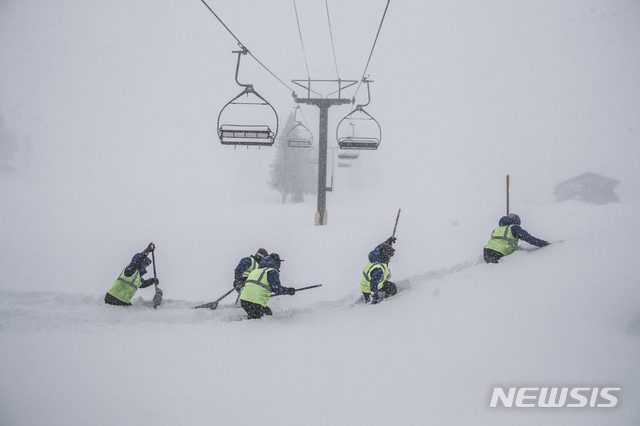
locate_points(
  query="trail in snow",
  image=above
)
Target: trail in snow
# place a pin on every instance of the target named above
(30, 311)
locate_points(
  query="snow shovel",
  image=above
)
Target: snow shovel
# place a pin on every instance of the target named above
(157, 299)
(299, 289)
(213, 305)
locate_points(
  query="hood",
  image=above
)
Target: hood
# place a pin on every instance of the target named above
(268, 262)
(374, 256)
(506, 220)
(136, 258)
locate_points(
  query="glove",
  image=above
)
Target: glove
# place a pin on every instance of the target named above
(149, 282)
(391, 240)
(238, 284)
(292, 291)
(150, 248)
(375, 299)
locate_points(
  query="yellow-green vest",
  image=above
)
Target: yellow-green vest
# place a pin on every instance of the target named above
(257, 288)
(502, 240)
(365, 279)
(125, 287)
(247, 271)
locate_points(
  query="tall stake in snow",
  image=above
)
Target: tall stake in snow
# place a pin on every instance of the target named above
(507, 195)
(394, 228)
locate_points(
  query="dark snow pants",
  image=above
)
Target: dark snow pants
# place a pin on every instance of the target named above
(389, 289)
(112, 300)
(492, 256)
(255, 310)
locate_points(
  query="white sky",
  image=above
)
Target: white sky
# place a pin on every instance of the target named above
(114, 104)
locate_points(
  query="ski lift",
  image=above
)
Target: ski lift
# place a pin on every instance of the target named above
(349, 154)
(358, 129)
(247, 105)
(344, 163)
(299, 136)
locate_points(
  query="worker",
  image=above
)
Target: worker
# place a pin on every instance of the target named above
(259, 285)
(504, 239)
(245, 266)
(130, 280)
(373, 282)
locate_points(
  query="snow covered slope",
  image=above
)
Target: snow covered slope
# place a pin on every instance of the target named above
(567, 315)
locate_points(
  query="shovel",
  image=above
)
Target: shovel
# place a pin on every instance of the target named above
(214, 304)
(157, 299)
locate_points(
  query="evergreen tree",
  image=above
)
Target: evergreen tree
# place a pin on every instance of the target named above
(290, 171)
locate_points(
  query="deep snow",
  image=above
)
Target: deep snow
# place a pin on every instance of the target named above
(567, 315)
(113, 106)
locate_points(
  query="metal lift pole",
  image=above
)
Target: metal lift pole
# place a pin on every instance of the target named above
(323, 104)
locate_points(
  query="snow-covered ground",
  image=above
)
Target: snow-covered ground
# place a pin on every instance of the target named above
(112, 107)
(567, 315)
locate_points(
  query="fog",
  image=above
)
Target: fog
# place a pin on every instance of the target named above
(114, 107)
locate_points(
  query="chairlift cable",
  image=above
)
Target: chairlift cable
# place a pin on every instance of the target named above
(304, 53)
(335, 61)
(372, 48)
(244, 47)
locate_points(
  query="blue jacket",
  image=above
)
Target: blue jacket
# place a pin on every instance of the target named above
(245, 262)
(273, 276)
(520, 233)
(376, 275)
(137, 263)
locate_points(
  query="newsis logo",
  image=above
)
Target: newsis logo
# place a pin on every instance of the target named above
(555, 397)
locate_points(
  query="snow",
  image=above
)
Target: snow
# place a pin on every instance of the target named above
(114, 104)
(566, 315)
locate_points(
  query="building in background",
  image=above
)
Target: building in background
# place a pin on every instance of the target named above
(589, 187)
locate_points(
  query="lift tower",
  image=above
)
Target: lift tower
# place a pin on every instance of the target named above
(323, 103)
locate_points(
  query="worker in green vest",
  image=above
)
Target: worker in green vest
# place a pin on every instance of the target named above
(504, 239)
(245, 266)
(374, 281)
(259, 285)
(130, 280)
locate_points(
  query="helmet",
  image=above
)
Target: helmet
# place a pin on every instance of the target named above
(386, 251)
(515, 217)
(276, 259)
(261, 254)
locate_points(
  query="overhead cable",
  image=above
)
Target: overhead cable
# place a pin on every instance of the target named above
(304, 53)
(335, 61)
(245, 48)
(372, 48)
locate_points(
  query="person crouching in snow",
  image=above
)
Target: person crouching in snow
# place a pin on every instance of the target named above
(504, 239)
(245, 266)
(375, 274)
(259, 285)
(130, 280)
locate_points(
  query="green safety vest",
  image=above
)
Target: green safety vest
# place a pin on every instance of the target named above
(247, 271)
(125, 287)
(365, 279)
(257, 288)
(502, 240)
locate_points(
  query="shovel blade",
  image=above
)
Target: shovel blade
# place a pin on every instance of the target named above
(157, 299)
(211, 305)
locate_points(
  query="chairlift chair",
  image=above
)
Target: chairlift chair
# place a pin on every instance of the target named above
(348, 154)
(299, 136)
(244, 109)
(363, 131)
(358, 129)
